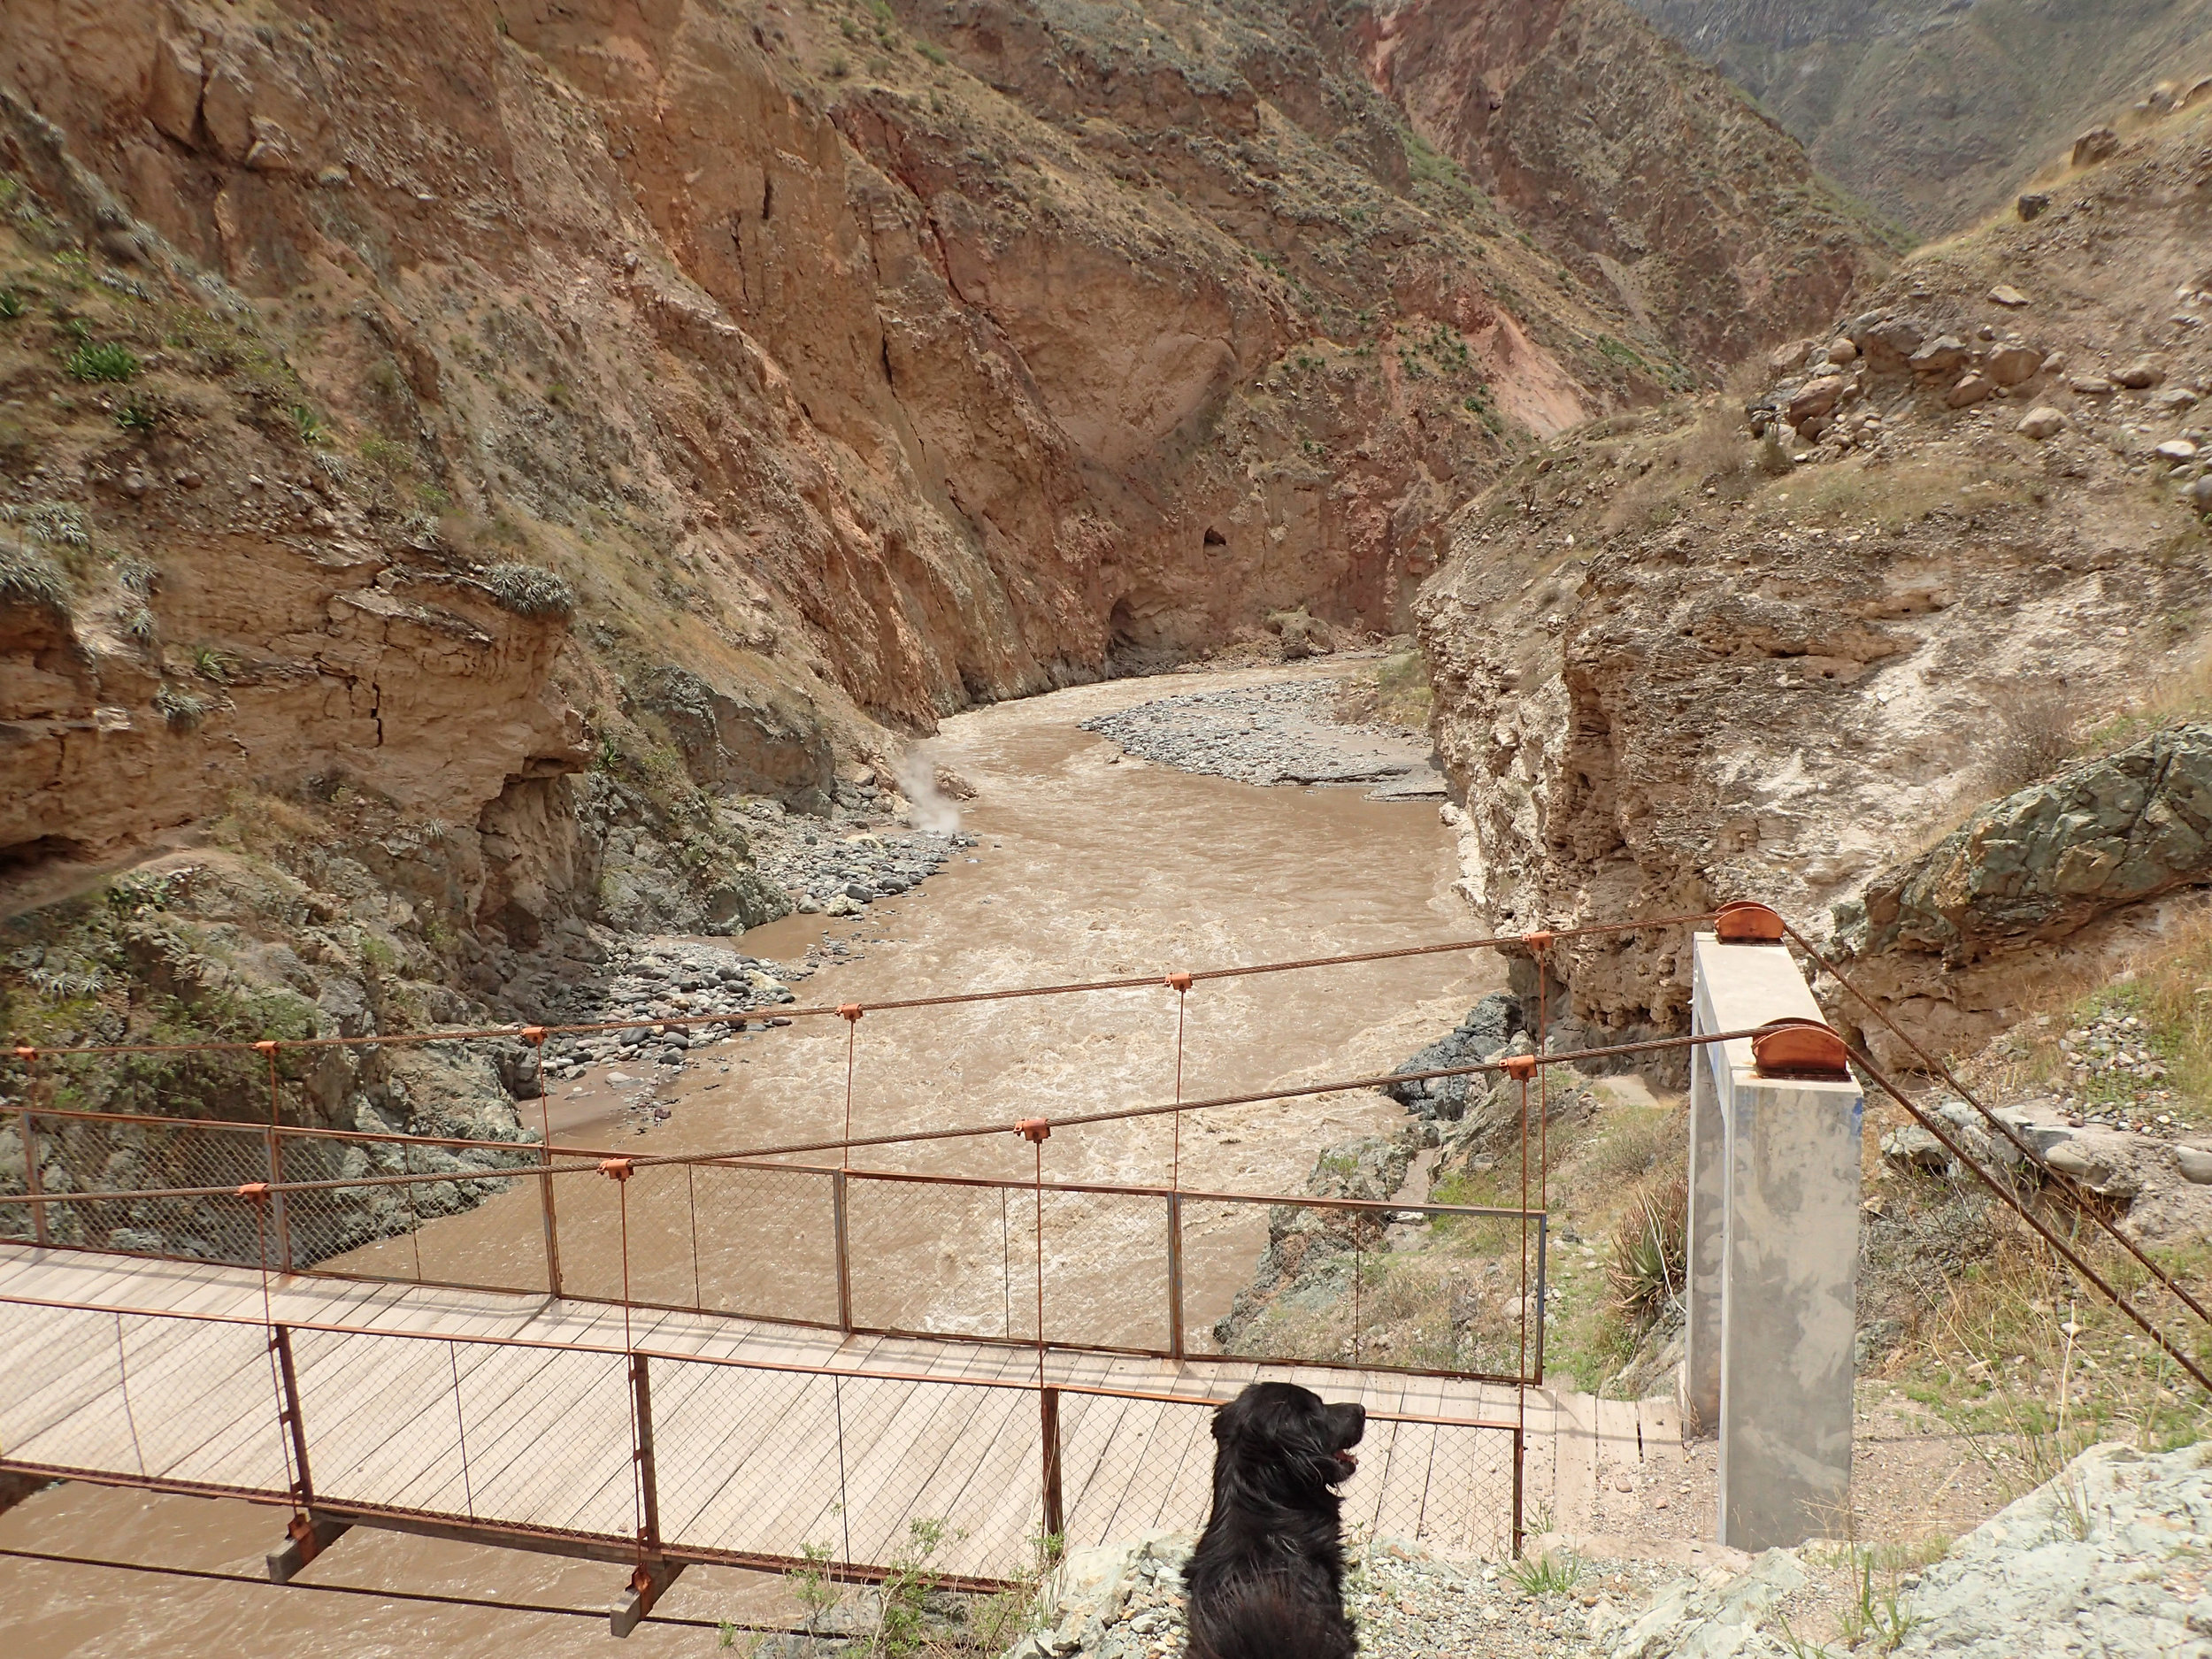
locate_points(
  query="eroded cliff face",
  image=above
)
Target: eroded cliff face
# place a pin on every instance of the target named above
(1646, 173)
(854, 395)
(1674, 668)
(539, 426)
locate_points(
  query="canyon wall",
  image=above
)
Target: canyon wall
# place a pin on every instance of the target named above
(1677, 664)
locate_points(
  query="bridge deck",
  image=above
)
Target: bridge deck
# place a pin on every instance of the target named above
(488, 1411)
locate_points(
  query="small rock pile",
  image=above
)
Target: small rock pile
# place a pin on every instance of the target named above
(1859, 389)
(664, 981)
(841, 865)
(2112, 1047)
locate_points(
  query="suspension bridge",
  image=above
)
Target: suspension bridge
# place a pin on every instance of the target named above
(701, 1365)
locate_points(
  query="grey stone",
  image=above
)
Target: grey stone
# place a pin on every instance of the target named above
(1489, 1026)
(2195, 1164)
(2032, 205)
(2044, 862)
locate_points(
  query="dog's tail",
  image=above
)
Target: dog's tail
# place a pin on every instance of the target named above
(1267, 1619)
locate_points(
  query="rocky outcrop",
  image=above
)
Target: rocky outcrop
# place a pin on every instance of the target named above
(1956, 938)
(1598, 132)
(1675, 666)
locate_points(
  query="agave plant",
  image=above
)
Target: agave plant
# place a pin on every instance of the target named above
(1651, 1250)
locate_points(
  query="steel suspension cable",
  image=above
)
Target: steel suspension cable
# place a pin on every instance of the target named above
(2067, 1184)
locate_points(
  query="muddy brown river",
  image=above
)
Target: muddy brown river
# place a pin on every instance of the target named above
(1090, 865)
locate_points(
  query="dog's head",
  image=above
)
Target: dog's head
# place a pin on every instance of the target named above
(1286, 1441)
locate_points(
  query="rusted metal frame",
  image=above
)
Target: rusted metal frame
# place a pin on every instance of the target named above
(2067, 1184)
(40, 1235)
(1520, 1450)
(978, 1132)
(1543, 1255)
(280, 1218)
(550, 1217)
(648, 1536)
(269, 1496)
(737, 1015)
(1175, 1274)
(982, 1340)
(1048, 1432)
(295, 1424)
(839, 1224)
(1109, 1189)
(1931, 1124)
(609, 1547)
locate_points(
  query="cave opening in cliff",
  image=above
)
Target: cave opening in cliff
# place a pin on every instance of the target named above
(1121, 627)
(1214, 538)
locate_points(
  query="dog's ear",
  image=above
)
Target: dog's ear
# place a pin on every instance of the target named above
(1229, 1420)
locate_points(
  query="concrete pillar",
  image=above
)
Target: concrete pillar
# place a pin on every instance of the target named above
(1774, 1266)
(1709, 1199)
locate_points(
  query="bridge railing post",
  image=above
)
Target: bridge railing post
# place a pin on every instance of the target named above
(41, 1233)
(838, 1223)
(552, 1225)
(1049, 1425)
(641, 1454)
(280, 1220)
(1175, 1274)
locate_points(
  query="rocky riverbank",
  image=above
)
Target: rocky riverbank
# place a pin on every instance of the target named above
(1276, 734)
(2105, 1559)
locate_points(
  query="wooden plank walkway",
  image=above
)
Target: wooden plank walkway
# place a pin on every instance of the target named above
(425, 1403)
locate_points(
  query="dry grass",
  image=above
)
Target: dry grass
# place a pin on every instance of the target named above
(1714, 450)
(1893, 497)
(2035, 736)
(2168, 986)
(2034, 1366)
(1398, 694)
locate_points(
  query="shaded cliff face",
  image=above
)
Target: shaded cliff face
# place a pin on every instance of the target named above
(1646, 173)
(1673, 668)
(1935, 112)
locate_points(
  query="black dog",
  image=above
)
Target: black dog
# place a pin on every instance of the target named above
(1267, 1578)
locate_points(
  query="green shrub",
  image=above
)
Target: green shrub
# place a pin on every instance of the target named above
(138, 416)
(11, 305)
(530, 591)
(106, 361)
(183, 710)
(29, 577)
(1651, 1251)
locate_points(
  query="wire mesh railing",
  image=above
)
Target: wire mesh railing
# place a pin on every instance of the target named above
(680, 1456)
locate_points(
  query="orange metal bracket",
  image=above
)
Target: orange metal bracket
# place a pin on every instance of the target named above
(1033, 1129)
(1804, 1048)
(1747, 922)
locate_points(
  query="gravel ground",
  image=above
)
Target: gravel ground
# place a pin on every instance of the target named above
(1128, 1604)
(1276, 734)
(839, 865)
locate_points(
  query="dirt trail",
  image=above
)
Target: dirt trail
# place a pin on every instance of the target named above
(1090, 865)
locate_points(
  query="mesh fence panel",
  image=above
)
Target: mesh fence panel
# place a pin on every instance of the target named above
(1106, 1270)
(546, 1437)
(871, 1471)
(86, 1157)
(764, 1242)
(957, 1260)
(58, 1360)
(1379, 1289)
(188, 1401)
